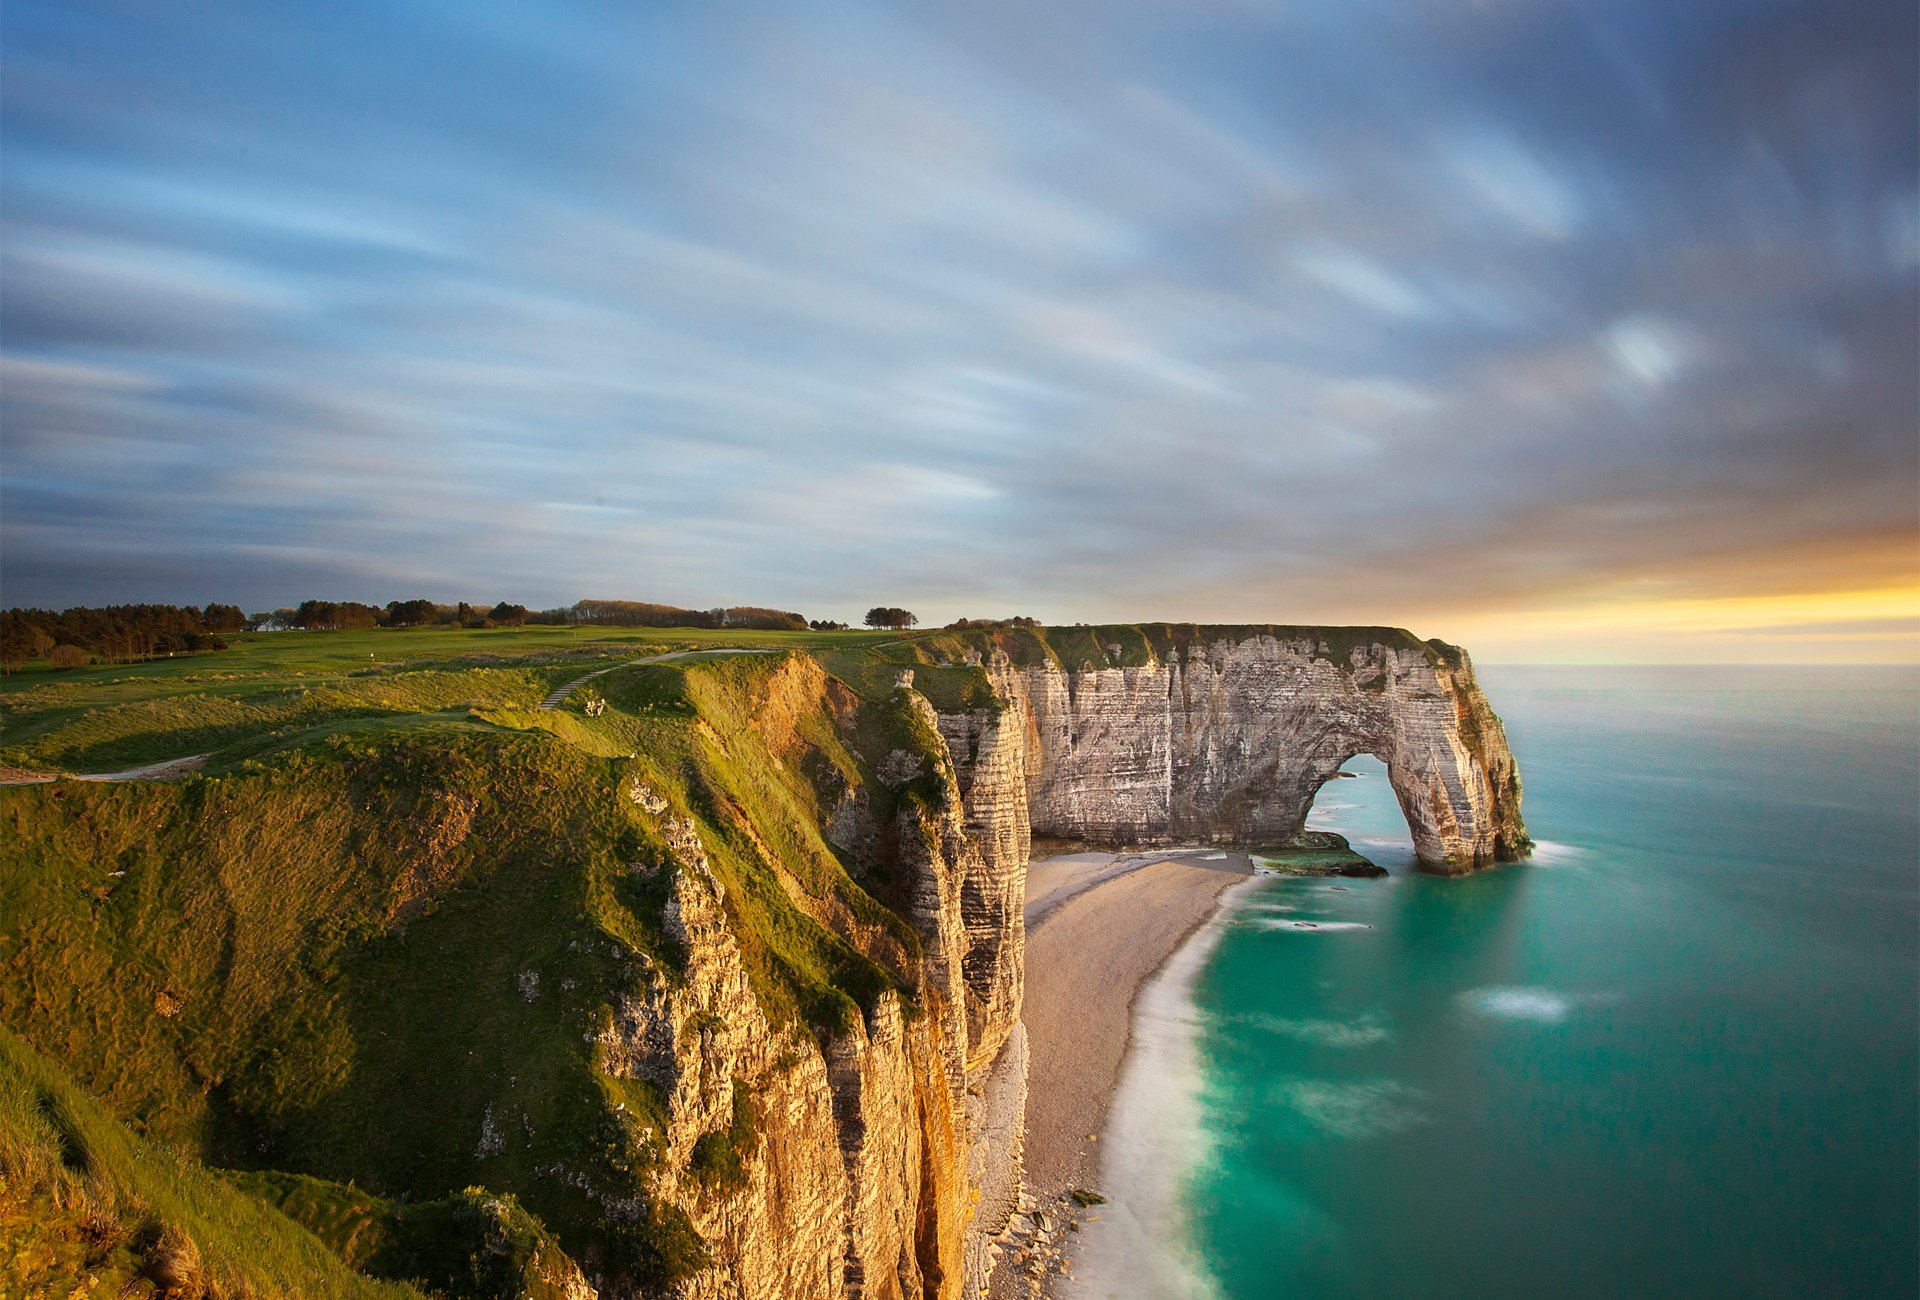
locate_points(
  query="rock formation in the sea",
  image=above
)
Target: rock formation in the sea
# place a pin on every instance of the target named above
(1206, 736)
(1202, 735)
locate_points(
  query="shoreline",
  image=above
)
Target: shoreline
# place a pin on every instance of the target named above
(1153, 1139)
(1100, 924)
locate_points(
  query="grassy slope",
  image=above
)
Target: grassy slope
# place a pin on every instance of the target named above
(86, 1203)
(317, 958)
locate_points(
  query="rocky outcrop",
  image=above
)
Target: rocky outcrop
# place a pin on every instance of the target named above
(1226, 739)
(849, 1176)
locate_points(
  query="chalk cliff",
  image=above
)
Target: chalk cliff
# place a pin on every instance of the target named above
(1199, 735)
(1161, 735)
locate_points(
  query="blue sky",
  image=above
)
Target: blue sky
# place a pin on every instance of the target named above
(1558, 328)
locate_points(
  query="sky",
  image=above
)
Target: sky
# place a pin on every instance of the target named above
(1569, 331)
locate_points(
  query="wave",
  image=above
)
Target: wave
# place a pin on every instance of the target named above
(1353, 1110)
(1305, 927)
(1367, 1031)
(1541, 1006)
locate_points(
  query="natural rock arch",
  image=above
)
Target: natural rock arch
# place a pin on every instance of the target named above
(1226, 739)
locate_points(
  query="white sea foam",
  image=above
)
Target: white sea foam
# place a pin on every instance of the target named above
(1154, 1145)
(1363, 1032)
(1542, 1006)
(1353, 1109)
(1547, 853)
(1305, 927)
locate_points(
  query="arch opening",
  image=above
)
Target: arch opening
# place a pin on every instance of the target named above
(1360, 803)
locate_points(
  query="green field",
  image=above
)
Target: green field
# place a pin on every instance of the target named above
(309, 958)
(279, 687)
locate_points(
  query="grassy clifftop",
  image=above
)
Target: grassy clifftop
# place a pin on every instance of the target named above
(372, 945)
(88, 1206)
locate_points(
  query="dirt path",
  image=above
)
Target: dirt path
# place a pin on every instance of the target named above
(167, 769)
(558, 695)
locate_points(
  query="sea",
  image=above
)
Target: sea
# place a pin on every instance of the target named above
(1676, 1054)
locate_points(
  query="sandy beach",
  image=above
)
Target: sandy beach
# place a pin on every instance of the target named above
(1099, 925)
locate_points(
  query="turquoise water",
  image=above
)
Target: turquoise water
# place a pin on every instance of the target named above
(1676, 1056)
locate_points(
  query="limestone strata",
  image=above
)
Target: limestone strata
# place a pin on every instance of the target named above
(1226, 740)
(855, 1182)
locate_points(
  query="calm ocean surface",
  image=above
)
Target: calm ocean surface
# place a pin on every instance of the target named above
(1678, 1055)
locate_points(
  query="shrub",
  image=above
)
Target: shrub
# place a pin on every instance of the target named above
(67, 656)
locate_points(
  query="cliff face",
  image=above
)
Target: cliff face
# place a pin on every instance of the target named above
(846, 1177)
(878, 1163)
(1226, 739)
(1222, 738)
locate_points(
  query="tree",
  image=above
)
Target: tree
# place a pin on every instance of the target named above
(223, 618)
(20, 640)
(766, 620)
(67, 656)
(410, 613)
(505, 615)
(890, 617)
(329, 614)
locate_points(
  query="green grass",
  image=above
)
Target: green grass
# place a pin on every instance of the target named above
(314, 957)
(757, 780)
(106, 717)
(339, 933)
(469, 1244)
(87, 1205)
(1084, 646)
(720, 1157)
(1317, 853)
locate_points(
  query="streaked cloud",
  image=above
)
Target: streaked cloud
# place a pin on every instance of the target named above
(1559, 328)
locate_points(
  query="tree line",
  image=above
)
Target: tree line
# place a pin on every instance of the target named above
(114, 633)
(639, 613)
(127, 633)
(332, 615)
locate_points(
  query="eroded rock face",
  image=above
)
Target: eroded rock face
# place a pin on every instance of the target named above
(1229, 742)
(854, 1184)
